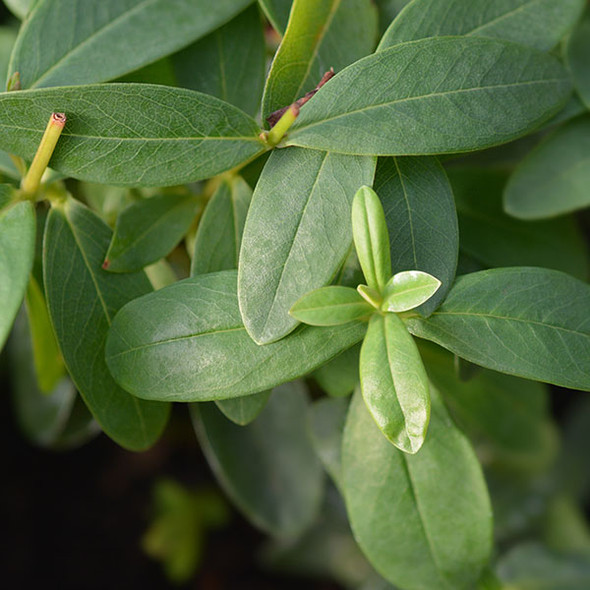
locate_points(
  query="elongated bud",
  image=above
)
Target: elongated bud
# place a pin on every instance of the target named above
(32, 180)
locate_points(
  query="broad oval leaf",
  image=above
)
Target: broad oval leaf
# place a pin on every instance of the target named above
(420, 213)
(149, 230)
(577, 57)
(268, 468)
(553, 179)
(331, 306)
(424, 520)
(536, 23)
(297, 234)
(371, 238)
(131, 134)
(82, 300)
(408, 289)
(524, 321)
(83, 44)
(17, 249)
(277, 12)
(434, 96)
(186, 342)
(243, 410)
(394, 382)
(219, 236)
(229, 63)
(321, 34)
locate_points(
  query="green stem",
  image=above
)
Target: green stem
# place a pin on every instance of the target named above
(283, 125)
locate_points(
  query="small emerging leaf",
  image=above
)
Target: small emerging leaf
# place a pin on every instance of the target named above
(330, 306)
(409, 289)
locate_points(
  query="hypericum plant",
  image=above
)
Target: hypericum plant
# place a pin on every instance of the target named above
(166, 142)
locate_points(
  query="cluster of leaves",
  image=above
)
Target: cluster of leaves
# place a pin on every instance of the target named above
(226, 237)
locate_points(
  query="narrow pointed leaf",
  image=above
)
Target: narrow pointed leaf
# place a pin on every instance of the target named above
(331, 306)
(131, 134)
(186, 342)
(219, 236)
(297, 234)
(434, 96)
(229, 63)
(277, 12)
(243, 410)
(553, 179)
(321, 34)
(577, 58)
(149, 230)
(420, 213)
(409, 289)
(82, 300)
(536, 23)
(394, 382)
(17, 248)
(68, 42)
(524, 321)
(430, 521)
(268, 468)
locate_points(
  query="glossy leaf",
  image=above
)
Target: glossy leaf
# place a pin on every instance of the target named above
(152, 136)
(371, 238)
(408, 289)
(229, 63)
(277, 12)
(524, 321)
(186, 342)
(420, 213)
(536, 23)
(297, 234)
(430, 522)
(434, 96)
(82, 300)
(331, 306)
(553, 179)
(577, 57)
(339, 376)
(149, 230)
(268, 468)
(321, 34)
(219, 236)
(49, 364)
(243, 410)
(17, 248)
(394, 382)
(68, 42)
(496, 239)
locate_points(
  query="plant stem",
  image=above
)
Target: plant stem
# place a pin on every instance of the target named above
(283, 125)
(32, 180)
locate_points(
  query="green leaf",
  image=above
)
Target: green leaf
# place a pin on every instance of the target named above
(394, 382)
(49, 364)
(424, 520)
(63, 42)
(496, 239)
(536, 23)
(219, 236)
(388, 10)
(19, 8)
(7, 38)
(421, 219)
(408, 289)
(371, 238)
(7, 167)
(553, 179)
(229, 63)
(243, 410)
(152, 135)
(186, 342)
(17, 248)
(321, 34)
(277, 12)
(576, 54)
(82, 300)
(434, 96)
(331, 306)
(339, 376)
(524, 321)
(508, 419)
(268, 468)
(295, 243)
(149, 230)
